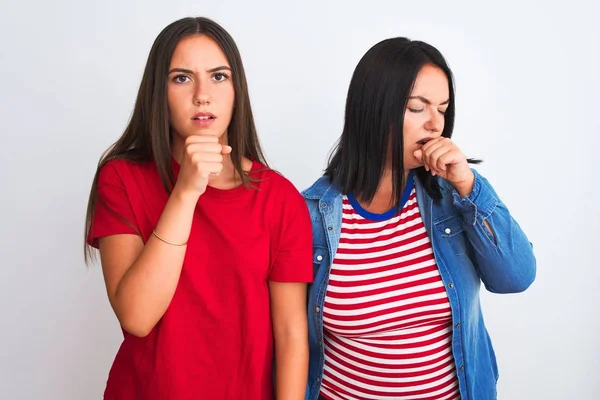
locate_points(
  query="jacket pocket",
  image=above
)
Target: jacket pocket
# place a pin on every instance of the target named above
(450, 228)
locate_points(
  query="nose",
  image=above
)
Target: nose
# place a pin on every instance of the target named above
(201, 95)
(435, 123)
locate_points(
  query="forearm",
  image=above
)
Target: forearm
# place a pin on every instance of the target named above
(502, 251)
(291, 362)
(504, 257)
(147, 288)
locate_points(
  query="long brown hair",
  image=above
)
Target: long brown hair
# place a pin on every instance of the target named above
(147, 137)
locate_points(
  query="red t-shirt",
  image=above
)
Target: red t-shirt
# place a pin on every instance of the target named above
(215, 340)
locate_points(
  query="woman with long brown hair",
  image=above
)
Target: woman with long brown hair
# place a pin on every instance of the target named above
(205, 251)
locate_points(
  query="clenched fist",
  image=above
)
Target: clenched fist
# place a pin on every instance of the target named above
(442, 157)
(202, 158)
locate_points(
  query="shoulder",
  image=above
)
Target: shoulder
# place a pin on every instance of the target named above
(318, 189)
(277, 190)
(124, 172)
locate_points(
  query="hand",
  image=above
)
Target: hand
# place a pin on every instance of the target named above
(442, 157)
(202, 158)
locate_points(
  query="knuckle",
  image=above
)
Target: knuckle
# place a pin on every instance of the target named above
(209, 147)
(188, 149)
(190, 140)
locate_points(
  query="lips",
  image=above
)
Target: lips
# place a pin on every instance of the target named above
(203, 117)
(423, 141)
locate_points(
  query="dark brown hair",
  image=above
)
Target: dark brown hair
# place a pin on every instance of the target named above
(147, 137)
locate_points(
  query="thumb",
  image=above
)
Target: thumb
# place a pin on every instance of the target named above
(226, 149)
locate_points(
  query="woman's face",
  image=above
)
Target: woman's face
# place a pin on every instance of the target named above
(200, 89)
(424, 114)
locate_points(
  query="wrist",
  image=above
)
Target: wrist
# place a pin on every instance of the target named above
(465, 187)
(185, 197)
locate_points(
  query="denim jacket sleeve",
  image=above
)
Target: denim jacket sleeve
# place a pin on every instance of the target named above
(505, 259)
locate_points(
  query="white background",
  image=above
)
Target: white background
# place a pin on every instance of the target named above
(528, 103)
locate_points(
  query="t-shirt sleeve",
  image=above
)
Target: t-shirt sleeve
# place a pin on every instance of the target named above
(293, 260)
(113, 213)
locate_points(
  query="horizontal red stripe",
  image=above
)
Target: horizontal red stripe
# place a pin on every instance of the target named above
(348, 229)
(427, 258)
(413, 308)
(443, 354)
(417, 381)
(375, 248)
(343, 348)
(417, 275)
(404, 393)
(394, 371)
(387, 300)
(401, 335)
(388, 257)
(398, 322)
(392, 288)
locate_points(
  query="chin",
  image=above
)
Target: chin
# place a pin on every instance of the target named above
(206, 132)
(412, 166)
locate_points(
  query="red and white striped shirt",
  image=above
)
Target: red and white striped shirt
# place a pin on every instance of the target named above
(387, 318)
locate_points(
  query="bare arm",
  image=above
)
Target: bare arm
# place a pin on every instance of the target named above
(141, 280)
(290, 329)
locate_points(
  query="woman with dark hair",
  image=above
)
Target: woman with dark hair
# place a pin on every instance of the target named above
(206, 252)
(404, 232)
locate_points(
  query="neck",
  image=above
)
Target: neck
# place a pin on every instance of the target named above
(384, 199)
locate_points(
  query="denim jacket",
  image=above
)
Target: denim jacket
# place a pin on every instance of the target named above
(466, 254)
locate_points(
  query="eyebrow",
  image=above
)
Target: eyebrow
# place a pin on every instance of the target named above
(188, 71)
(426, 101)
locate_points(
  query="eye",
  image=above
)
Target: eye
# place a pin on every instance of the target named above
(220, 76)
(181, 79)
(443, 112)
(415, 110)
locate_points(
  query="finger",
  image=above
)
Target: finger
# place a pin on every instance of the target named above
(201, 139)
(198, 158)
(208, 157)
(194, 148)
(432, 142)
(418, 154)
(434, 157)
(428, 149)
(434, 148)
(432, 145)
(226, 149)
(446, 159)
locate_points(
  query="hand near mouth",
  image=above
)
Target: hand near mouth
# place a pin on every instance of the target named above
(443, 158)
(202, 158)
